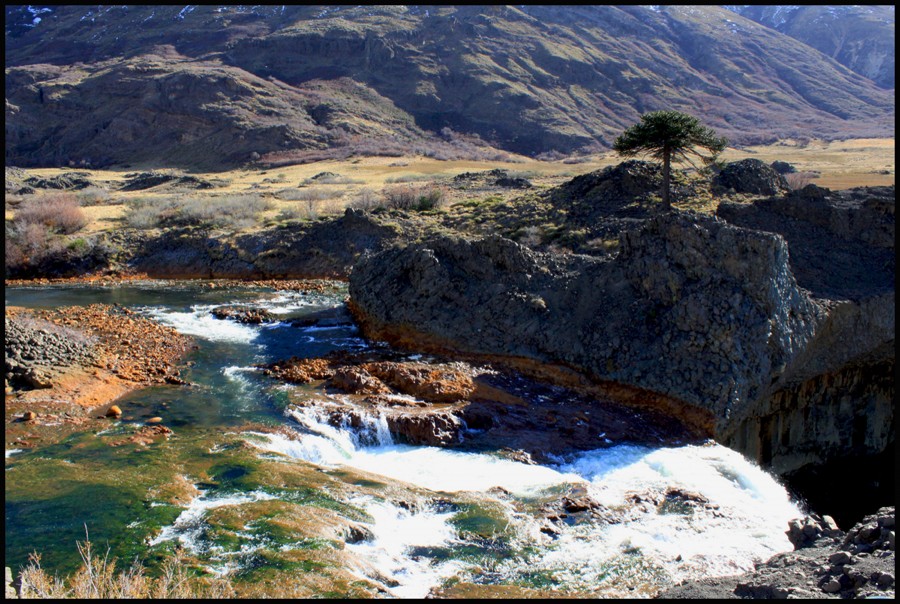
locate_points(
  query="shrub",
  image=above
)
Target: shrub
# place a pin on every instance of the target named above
(309, 194)
(798, 180)
(97, 579)
(235, 211)
(58, 212)
(366, 200)
(416, 198)
(408, 178)
(93, 196)
(150, 213)
(231, 211)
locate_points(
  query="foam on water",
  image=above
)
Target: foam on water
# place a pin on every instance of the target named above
(199, 322)
(284, 302)
(739, 515)
(12, 452)
(236, 373)
(189, 527)
(744, 520)
(395, 531)
(371, 449)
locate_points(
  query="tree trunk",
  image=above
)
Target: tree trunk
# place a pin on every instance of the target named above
(666, 203)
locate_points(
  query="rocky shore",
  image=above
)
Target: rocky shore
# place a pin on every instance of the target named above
(64, 366)
(471, 405)
(826, 563)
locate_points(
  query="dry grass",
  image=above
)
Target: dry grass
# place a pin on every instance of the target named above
(840, 164)
(97, 578)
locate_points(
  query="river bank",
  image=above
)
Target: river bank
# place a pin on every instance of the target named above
(65, 367)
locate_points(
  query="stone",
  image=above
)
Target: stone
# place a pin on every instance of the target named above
(357, 534)
(885, 580)
(29, 416)
(829, 523)
(832, 586)
(839, 558)
(751, 176)
(154, 420)
(114, 411)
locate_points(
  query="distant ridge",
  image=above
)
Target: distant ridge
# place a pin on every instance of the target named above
(216, 87)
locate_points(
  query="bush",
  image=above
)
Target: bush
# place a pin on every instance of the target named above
(798, 180)
(58, 212)
(366, 200)
(93, 196)
(415, 198)
(309, 194)
(230, 211)
(97, 579)
(234, 211)
(150, 213)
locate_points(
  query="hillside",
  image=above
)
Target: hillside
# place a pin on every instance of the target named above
(207, 87)
(858, 37)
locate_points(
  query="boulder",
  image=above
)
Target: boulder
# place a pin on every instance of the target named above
(783, 167)
(751, 176)
(243, 314)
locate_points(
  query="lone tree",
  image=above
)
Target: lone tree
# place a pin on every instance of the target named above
(666, 135)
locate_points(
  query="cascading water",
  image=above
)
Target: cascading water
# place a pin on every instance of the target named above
(742, 517)
(662, 515)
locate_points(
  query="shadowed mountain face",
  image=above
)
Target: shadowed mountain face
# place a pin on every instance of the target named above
(207, 86)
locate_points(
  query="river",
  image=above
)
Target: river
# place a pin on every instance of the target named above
(255, 483)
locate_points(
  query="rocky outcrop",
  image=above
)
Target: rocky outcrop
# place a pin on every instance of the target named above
(139, 181)
(496, 178)
(842, 242)
(323, 249)
(826, 563)
(474, 406)
(674, 312)
(705, 313)
(751, 176)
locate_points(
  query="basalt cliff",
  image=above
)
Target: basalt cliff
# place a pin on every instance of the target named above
(770, 326)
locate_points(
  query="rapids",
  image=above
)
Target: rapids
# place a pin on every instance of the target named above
(660, 514)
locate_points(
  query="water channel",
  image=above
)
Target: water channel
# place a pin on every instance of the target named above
(252, 483)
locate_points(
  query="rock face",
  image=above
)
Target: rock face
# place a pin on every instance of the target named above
(693, 308)
(674, 312)
(751, 176)
(826, 563)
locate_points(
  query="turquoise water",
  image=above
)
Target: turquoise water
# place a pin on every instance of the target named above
(49, 508)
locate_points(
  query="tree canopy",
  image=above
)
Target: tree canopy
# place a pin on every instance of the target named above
(668, 135)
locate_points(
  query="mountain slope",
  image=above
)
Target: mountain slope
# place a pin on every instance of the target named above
(858, 37)
(531, 79)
